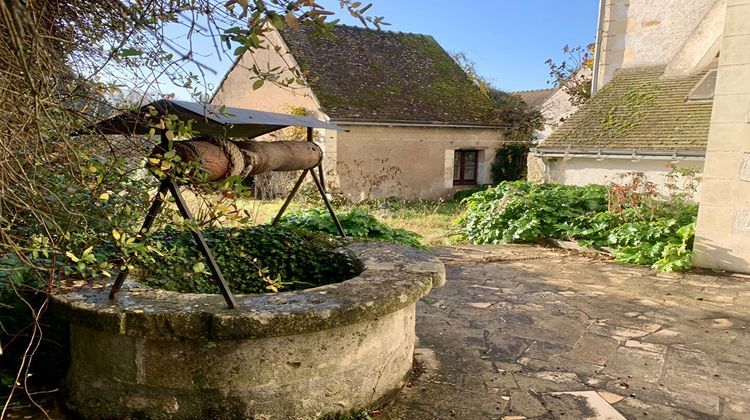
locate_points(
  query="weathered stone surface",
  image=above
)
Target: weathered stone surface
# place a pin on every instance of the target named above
(394, 277)
(299, 355)
(588, 404)
(298, 376)
(631, 362)
(560, 322)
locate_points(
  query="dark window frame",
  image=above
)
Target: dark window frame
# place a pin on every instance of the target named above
(461, 163)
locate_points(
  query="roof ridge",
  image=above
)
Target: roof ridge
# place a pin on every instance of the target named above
(533, 90)
(387, 31)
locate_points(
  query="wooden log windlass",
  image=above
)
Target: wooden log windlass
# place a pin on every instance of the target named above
(221, 158)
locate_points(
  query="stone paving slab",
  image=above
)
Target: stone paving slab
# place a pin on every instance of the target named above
(522, 332)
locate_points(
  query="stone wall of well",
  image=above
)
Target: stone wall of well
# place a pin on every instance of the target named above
(723, 229)
(296, 376)
(300, 354)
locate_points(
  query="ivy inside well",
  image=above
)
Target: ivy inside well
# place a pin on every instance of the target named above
(260, 259)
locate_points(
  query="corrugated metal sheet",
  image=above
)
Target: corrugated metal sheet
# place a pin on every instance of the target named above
(205, 119)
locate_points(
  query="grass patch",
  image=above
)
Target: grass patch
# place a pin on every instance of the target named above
(432, 220)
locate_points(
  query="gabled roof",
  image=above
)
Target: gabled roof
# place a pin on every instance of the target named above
(364, 74)
(639, 108)
(535, 98)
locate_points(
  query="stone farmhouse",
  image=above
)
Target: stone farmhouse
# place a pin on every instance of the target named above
(671, 85)
(418, 127)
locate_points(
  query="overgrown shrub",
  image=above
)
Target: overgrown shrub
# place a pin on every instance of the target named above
(639, 228)
(357, 223)
(522, 212)
(253, 260)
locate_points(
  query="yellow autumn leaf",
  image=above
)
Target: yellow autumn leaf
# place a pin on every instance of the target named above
(291, 20)
(116, 234)
(104, 196)
(72, 256)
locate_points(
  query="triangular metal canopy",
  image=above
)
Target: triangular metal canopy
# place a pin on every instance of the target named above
(206, 120)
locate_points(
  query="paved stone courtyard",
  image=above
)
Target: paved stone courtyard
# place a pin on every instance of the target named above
(528, 332)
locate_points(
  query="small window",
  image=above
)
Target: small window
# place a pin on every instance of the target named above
(465, 167)
(704, 89)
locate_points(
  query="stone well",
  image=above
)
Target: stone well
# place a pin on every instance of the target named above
(300, 354)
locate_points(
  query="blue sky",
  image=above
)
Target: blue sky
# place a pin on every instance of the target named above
(509, 40)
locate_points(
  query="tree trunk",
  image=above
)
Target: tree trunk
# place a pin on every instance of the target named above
(253, 157)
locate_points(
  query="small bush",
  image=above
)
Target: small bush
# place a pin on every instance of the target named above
(357, 223)
(253, 260)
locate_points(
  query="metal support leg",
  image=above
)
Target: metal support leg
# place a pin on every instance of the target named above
(322, 178)
(153, 211)
(327, 203)
(290, 197)
(203, 246)
(311, 138)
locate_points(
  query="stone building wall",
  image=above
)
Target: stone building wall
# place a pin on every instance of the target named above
(237, 87)
(411, 162)
(640, 33)
(585, 171)
(558, 108)
(723, 228)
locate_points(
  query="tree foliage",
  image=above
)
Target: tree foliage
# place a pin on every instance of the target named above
(521, 120)
(573, 74)
(510, 163)
(70, 206)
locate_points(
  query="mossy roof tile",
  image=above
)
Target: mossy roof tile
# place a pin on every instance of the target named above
(638, 109)
(364, 74)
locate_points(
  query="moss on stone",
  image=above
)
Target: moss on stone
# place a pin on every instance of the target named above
(394, 277)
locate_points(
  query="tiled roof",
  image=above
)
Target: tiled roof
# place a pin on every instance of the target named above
(364, 74)
(535, 98)
(638, 109)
